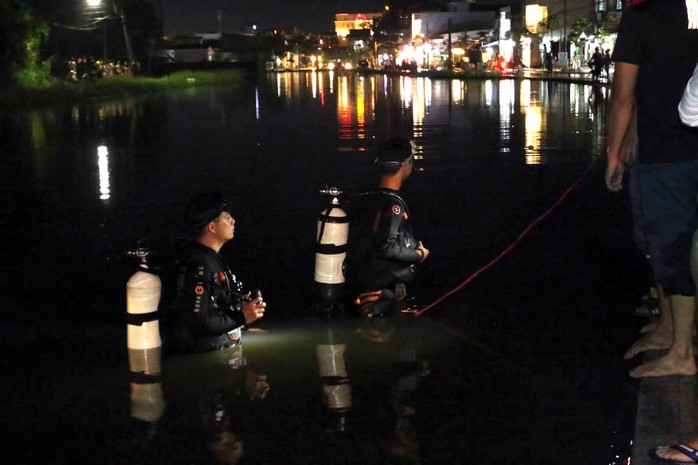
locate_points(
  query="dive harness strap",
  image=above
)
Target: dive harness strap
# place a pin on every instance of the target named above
(137, 319)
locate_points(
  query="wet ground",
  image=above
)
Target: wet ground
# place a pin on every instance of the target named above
(522, 365)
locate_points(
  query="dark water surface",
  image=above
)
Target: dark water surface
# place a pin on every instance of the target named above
(521, 366)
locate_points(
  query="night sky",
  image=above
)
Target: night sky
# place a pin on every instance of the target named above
(190, 16)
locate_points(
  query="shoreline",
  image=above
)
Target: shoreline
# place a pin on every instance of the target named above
(135, 86)
(62, 91)
(562, 75)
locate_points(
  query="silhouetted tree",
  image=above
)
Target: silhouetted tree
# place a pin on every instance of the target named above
(23, 34)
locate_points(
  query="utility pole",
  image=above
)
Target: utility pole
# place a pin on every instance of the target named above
(564, 27)
(104, 31)
(119, 10)
(449, 62)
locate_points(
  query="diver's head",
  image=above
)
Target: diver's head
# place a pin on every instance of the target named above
(208, 212)
(395, 154)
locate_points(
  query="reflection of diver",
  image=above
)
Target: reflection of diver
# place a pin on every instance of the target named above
(210, 397)
(218, 414)
(403, 371)
(218, 411)
(404, 401)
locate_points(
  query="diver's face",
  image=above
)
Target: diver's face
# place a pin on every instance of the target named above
(409, 167)
(225, 226)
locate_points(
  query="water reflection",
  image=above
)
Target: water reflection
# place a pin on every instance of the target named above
(526, 109)
(336, 386)
(103, 163)
(211, 407)
(190, 411)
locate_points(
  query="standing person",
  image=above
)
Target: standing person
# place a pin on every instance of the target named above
(596, 63)
(575, 61)
(549, 60)
(653, 37)
(607, 60)
(211, 305)
(388, 260)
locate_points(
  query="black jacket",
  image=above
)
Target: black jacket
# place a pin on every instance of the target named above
(391, 256)
(208, 304)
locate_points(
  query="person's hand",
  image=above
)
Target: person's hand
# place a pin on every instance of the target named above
(423, 250)
(256, 386)
(614, 175)
(254, 309)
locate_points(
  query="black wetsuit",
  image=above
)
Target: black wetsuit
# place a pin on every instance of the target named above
(208, 305)
(390, 254)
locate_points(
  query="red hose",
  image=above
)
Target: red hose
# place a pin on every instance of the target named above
(510, 247)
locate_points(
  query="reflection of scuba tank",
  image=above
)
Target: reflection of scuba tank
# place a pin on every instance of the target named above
(147, 403)
(336, 388)
(331, 251)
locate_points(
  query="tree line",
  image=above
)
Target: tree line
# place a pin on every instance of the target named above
(39, 37)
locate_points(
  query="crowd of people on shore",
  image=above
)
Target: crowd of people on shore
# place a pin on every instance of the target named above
(90, 68)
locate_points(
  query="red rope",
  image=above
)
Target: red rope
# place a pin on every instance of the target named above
(509, 248)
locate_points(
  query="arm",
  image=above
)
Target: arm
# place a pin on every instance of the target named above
(389, 245)
(688, 107)
(621, 111)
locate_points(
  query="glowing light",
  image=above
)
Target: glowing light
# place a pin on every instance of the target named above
(535, 14)
(103, 164)
(361, 108)
(506, 106)
(458, 90)
(94, 3)
(534, 122)
(256, 103)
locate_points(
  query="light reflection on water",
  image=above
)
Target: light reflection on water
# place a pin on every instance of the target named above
(537, 110)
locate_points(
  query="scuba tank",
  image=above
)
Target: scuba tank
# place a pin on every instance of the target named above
(142, 299)
(330, 252)
(159, 260)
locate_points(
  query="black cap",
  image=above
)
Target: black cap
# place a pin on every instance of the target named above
(393, 152)
(204, 208)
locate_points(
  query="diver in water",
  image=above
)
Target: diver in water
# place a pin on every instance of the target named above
(390, 253)
(210, 307)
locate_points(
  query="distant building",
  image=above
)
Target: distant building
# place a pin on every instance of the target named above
(554, 26)
(208, 51)
(433, 32)
(344, 23)
(459, 17)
